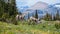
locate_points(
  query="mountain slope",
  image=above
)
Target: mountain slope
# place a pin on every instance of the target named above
(53, 8)
(42, 9)
(39, 5)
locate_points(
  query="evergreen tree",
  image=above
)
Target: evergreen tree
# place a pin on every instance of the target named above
(57, 15)
(36, 14)
(47, 17)
(54, 18)
(7, 10)
(28, 16)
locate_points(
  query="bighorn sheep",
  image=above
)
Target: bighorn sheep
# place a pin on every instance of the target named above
(34, 19)
(21, 17)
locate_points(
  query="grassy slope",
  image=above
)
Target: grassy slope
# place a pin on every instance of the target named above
(42, 28)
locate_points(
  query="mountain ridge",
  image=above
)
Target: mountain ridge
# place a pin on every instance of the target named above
(44, 7)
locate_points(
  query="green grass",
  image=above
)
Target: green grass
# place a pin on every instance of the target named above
(24, 28)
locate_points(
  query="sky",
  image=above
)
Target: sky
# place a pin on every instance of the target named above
(22, 3)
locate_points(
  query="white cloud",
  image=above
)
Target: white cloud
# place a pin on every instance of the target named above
(57, 5)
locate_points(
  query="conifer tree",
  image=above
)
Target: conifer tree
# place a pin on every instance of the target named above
(57, 15)
(8, 9)
(47, 17)
(28, 16)
(36, 14)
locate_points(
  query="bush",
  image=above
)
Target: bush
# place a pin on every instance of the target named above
(57, 25)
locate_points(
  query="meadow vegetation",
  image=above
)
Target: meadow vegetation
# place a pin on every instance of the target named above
(46, 27)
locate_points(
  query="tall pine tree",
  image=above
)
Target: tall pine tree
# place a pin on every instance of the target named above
(28, 16)
(36, 14)
(57, 15)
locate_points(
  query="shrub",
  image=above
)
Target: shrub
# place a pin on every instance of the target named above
(57, 25)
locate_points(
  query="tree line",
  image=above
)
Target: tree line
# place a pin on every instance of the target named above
(48, 17)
